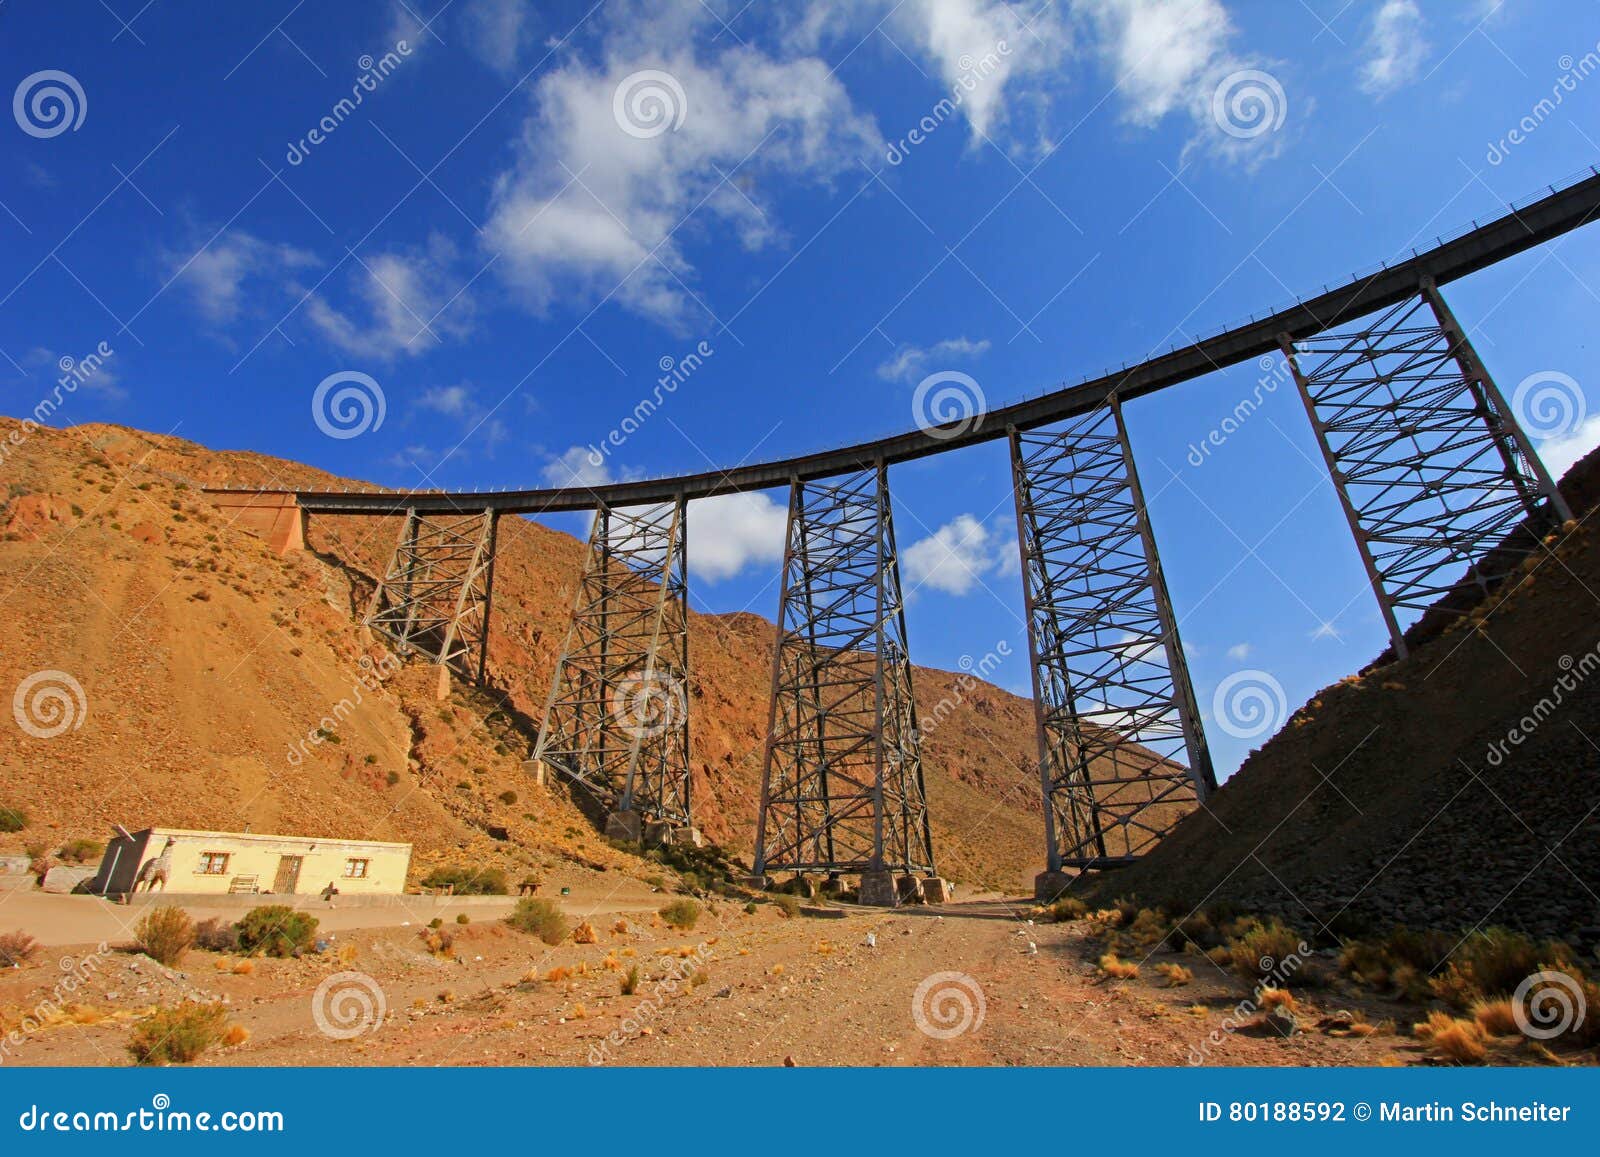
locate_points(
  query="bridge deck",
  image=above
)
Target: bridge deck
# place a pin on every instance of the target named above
(1561, 211)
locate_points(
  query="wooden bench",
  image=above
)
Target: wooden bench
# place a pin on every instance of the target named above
(244, 886)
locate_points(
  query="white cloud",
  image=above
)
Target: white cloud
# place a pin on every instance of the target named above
(1561, 454)
(953, 559)
(453, 401)
(590, 210)
(402, 306)
(1395, 47)
(1160, 49)
(909, 361)
(732, 531)
(985, 56)
(575, 467)
(218, 275)
(1175, 56)
(1239, 652)
(496, 30)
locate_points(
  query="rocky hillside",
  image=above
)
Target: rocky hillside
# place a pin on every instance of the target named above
(1457, 788)
(207, 665)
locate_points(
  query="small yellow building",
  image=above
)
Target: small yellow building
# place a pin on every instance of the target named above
(243, 863)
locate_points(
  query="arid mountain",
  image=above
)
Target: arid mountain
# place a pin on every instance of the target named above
(1459, 787)
(208, 663)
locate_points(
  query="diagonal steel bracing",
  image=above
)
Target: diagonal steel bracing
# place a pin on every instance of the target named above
(1436, 477)
(434, 598)
(617, 720)
(842, 788)
(1122, 755)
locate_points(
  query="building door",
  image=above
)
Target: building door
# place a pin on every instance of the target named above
(288, 874)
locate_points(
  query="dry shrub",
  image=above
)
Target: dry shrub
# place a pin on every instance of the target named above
(822, 948)
(176, 1036)
(277, 930)
(787, 905)
(682, 914)
(235, 1035)
(557, 974)
(438, 942)
(165, 935)
(611, 963)
(1461, 1041)
(621, 928)
(579, 1012)
(585, 934)
(1260, 949)
(216, 935)
(17, 948)
(1174, 975)
(776, 970)
(1065, 909)
(1116, 968)
(1492, 963)
(244, 968)
(698, 977)
(630, 982)
(346, 955)
(541, 918)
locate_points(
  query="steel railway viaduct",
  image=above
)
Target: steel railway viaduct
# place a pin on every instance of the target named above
(1440, 484)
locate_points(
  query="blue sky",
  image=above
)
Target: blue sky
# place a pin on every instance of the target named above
(531, 208)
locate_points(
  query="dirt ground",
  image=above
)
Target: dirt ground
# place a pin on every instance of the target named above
(973, 983)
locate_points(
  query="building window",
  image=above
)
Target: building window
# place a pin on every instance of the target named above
(213, 864)
(356, 869)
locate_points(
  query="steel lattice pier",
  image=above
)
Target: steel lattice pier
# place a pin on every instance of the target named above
(842, 787)
(1122, 755)
(617, 720)
(1436, 477)
(434, 599)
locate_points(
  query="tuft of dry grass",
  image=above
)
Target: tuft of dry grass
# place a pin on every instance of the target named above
(235, 1035)
(585, 933)
(1461, 1041)
(557, 974)
(1174, 975)
(346, 955)
(1272, 998)
(1496, 1017)
(244, 968)
(630, 982)
(1111, 965)
(775, 970)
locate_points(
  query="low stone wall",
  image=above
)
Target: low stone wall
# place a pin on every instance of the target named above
(423, 905)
